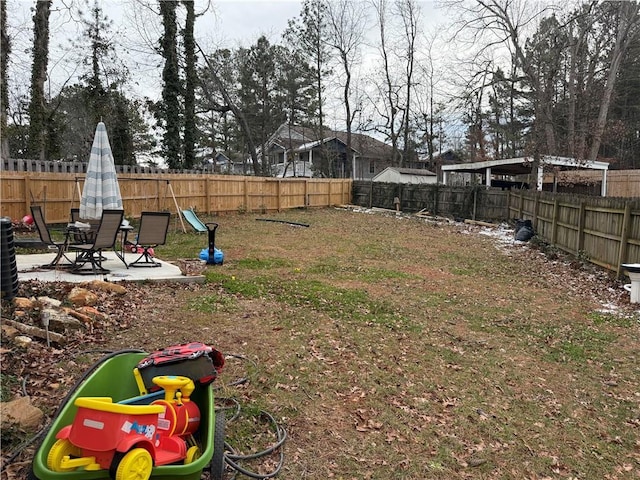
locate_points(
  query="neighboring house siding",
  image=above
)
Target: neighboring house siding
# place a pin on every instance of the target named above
(299, 144)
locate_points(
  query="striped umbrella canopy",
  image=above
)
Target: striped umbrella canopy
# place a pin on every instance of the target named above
(101, 189)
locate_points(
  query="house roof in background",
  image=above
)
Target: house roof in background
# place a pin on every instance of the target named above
(405, 175)
(413, 171)
(293, 137)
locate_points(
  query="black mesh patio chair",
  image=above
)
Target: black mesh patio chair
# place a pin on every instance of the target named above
(152, 232)
(45, 236)
(104, 238)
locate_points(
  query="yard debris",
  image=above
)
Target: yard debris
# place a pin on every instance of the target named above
(524, 230)
(383, 210)
(478, 222)
(33, 331)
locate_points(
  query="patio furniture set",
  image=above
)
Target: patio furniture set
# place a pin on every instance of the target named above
(85, 241)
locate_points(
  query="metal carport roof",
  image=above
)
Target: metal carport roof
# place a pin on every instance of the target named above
(525, 165)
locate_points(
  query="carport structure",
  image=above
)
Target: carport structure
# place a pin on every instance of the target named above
(525, 166)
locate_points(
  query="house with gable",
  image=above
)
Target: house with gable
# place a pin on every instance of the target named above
(304, 152)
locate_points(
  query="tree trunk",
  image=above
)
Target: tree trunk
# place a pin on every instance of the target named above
(4, 91)
(627, 29)
(37, 105)
(190, 86)
(230, 105)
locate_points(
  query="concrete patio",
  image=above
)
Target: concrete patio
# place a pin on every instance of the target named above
(29, 268)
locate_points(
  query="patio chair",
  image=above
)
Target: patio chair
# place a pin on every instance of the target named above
(46, 238)
(152, 232)
(104, 238)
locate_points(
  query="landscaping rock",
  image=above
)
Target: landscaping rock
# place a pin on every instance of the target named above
(22, 341)
(81, 296)
(20, 412)
(9, 331)
(50, 302)
(107, 287)
(24, 303)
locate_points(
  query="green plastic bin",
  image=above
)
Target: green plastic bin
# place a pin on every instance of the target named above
(114, 378)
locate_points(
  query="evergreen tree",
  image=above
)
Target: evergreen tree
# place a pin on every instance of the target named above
(309, 34)
(76, 110)
(260, 98)
(170, 108)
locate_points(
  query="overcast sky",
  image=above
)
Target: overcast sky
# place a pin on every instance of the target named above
(137, 27)
(226, 23)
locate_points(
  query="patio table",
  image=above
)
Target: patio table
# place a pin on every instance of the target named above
(124, 232)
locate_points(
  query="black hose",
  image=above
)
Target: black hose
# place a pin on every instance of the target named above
(233, 458)
(295, 224)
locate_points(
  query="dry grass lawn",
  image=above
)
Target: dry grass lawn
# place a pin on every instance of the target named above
(394, 348)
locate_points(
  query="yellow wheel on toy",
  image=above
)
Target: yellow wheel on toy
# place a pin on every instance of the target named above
(62, 448)
(135, 465)
(193, 454)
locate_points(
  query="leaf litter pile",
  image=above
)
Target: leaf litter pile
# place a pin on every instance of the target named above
(388, 346)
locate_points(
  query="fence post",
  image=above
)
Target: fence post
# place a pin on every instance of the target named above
(246, 194)
(159, 207)
(508, 215)
(536, 204)
(279, 197)
(306, 193)
(554, 223)
(27, 193)
(207, 192)
(624, 237)
(475, 203)
(581, 215)
(521, 206)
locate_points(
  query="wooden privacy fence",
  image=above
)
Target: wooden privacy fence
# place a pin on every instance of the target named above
(211, 194)
(457, 202)
(604, 230)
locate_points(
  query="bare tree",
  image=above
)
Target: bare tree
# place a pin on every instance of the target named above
(4, 91)
(494, 24)
(410, 15)
(347, 23)
(390, 91)
(627, 16)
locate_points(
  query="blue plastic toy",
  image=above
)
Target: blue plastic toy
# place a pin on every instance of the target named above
(218, 256)
(212, 255)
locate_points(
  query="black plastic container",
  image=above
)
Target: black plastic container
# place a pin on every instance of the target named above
(8, 266)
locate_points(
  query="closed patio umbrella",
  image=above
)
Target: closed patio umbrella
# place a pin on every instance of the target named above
(101, 189)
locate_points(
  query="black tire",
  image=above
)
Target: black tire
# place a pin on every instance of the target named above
(217, 461)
